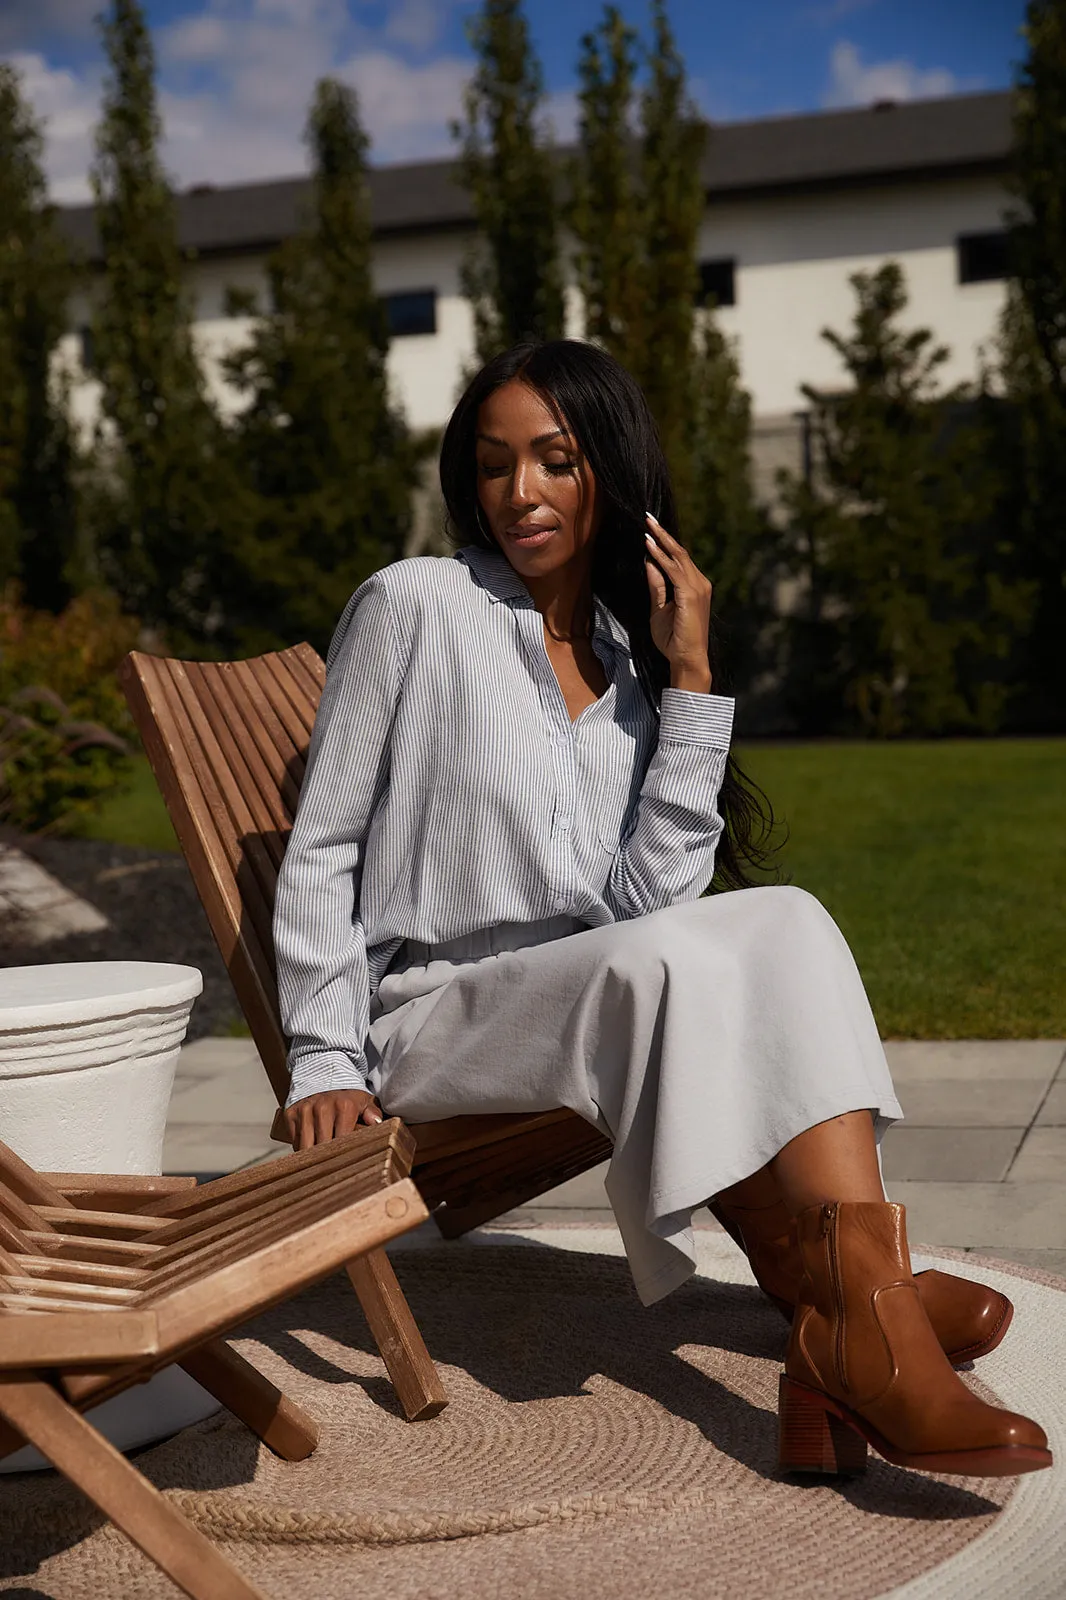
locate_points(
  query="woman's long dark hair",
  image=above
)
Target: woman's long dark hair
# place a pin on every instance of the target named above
(606, 412)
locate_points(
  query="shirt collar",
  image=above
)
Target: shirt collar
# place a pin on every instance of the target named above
(499, 579)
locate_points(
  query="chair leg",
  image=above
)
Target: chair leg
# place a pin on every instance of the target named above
(85, 1457)
(281, 1424)
(414, 1377)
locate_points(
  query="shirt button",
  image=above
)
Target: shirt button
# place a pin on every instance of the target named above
(563, 823)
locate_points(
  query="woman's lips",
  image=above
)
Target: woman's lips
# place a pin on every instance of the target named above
(532, 538)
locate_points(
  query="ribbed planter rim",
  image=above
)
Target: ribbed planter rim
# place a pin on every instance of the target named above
(49, 995)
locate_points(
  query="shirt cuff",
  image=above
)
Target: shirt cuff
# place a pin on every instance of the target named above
(333, 1069)
(688, 717)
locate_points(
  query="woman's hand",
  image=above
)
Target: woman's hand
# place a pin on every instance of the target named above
(321, 1117)
(680, 627)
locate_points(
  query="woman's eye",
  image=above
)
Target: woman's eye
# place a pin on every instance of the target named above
(488, 471)
(560, 466)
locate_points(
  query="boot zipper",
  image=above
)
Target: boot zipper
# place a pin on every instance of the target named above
(829, 1217)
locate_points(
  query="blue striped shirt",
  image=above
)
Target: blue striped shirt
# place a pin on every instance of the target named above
(447, 790)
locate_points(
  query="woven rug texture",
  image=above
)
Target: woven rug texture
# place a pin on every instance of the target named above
(592, 1447)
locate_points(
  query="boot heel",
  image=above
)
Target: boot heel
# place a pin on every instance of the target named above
(812, 1439)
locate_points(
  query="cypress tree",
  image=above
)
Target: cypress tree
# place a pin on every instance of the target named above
(160, 492)
(635, 209)
(908, 619)
(604, 210)
(732, 538)
(512, 276)
(1033, 350)
(327, 463)
(37, 503)
(636, 204)
(1038, 234)
(673, 141)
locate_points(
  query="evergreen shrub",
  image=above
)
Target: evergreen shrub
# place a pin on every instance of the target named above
(66, 735)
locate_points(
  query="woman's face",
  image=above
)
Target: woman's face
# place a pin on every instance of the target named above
(537, 493)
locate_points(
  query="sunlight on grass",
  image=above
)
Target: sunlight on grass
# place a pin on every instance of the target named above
(137, 816)
(944, 865)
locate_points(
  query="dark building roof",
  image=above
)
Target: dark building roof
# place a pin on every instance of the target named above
(827, 149)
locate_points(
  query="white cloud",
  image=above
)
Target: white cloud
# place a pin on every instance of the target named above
(196, 39)
(235, 82)
(68, 106)
(406, 109)
(856, 83)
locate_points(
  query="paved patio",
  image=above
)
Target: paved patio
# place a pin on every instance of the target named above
(980, 1162)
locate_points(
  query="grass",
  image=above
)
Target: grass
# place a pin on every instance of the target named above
(134, 816)
(942, 862)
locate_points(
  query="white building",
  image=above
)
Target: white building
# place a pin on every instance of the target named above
(794, 206)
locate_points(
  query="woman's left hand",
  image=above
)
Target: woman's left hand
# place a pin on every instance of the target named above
(679, 627)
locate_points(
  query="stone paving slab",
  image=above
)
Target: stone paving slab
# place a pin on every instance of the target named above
(221, 1109)
(223, 1147)
(39, 905)
(1052, 1113)
(972, 1215)
(985, 1103)
(955, 1154)
(916, 1060)
(1042, 1158)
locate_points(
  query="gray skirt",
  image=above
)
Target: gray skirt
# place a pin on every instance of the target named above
(700, 1039)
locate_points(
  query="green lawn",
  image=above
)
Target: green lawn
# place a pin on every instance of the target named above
(945, 866)
(943, 863)
(136, 816)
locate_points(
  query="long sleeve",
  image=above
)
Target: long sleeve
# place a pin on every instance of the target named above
(668, 856)
(319, 937)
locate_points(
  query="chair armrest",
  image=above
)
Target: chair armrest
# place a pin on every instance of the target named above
(76, 1338)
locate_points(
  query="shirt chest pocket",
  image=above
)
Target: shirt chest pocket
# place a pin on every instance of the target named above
(609, 822)
(615, 788)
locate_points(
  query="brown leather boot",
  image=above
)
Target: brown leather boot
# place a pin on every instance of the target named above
(864, 1366)
(968, 1318)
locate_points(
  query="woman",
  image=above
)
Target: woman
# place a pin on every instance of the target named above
(518, 788)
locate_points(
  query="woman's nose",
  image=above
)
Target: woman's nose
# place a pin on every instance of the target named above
(522, 485)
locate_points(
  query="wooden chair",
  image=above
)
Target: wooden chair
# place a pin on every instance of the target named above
(94, 1300)
(228, 743)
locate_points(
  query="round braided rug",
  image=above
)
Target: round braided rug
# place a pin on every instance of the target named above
(592, 1448)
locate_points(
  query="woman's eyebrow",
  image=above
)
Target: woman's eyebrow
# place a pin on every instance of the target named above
(542, 438)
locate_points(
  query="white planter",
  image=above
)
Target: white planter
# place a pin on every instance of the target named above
(88, 1051)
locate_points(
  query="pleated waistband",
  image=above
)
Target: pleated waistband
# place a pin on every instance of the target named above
(486, 941)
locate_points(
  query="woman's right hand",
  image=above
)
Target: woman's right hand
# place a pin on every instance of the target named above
(320, 1117)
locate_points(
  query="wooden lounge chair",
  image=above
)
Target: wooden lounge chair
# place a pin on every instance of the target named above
(228, 742)
(94, 1300)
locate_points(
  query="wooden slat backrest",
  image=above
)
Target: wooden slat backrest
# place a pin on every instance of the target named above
(177, 1262)
(227, 742)
(204, 1291)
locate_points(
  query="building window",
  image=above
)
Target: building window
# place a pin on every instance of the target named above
(412, 312)
(982, 257)
(718, 278)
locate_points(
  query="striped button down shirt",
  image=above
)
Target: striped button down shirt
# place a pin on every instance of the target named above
(447, 790)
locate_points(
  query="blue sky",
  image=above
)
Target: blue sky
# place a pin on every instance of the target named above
(235, 76)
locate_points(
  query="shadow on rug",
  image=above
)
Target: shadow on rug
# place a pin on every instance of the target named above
(592, 1447)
